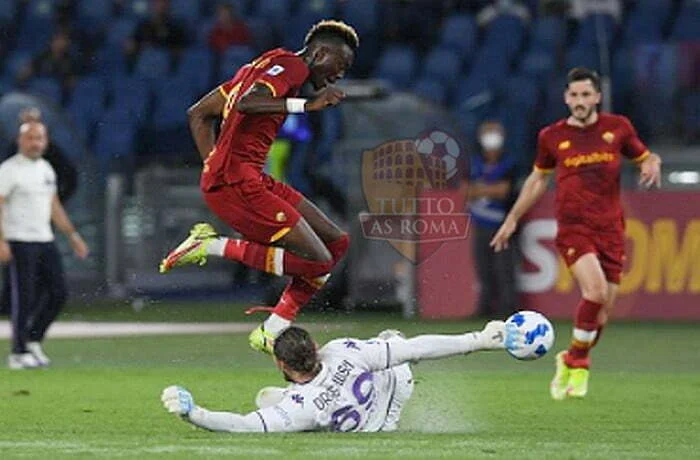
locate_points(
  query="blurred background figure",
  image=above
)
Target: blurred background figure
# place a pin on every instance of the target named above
(159, 30)
(228, 30)
(490, 196)
(57, 61)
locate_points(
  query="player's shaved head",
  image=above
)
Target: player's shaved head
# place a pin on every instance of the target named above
(32, 139)
(295, 348)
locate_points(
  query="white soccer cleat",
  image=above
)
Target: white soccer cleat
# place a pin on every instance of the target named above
(35, 349)
(177, 400)
(18, 361)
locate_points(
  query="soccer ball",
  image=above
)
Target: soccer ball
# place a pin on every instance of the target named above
(537, 331)
(443, 146)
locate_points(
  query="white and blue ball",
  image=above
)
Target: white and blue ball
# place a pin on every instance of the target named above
(536, 335)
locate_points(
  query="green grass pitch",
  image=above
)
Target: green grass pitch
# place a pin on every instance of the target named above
(101, 398)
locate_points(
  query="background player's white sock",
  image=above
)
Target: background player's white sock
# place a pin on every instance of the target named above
(216, 247)
(275, 324)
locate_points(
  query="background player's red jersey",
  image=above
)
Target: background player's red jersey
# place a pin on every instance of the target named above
(245, 139)
(587, 162)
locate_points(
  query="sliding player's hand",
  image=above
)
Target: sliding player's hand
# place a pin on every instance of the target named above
(500, 240)
(177, 400)
(328, 97)
(650, 174)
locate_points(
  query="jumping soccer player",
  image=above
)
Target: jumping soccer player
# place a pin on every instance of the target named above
(284, 233)
(586, 150)
(348, 385)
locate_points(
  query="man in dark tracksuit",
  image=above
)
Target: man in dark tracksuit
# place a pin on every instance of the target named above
(28, 205)
(491, 195)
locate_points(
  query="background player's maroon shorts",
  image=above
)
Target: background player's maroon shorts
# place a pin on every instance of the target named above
(261, 209)
(608, 247)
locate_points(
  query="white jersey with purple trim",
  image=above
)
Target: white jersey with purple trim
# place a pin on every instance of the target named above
(352, 392)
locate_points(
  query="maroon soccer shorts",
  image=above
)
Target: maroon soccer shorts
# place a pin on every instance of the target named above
(261, 209)
(609, 248)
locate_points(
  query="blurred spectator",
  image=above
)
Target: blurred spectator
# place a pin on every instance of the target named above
(56, 62)
(228, 30)
(491, 195)
(499, 7)
(66, 173)
(160, 29)
(582, 8)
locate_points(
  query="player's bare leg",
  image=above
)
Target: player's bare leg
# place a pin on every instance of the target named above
(328, 239)
(571, 377)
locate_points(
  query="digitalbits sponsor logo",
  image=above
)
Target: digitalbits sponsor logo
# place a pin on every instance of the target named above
(410, 189)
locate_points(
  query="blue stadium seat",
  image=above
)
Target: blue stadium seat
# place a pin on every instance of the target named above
(187, 11)
(520, 135)
(110, 62)
(42, 9)
(130, 94)
(119, 30)
(153, 63)
(642, 27)
(687, 25)
(204, 28)
(583, 56)
(521, 92)
(115, 139)
(397, 64)
(363, 15)
(296, 28)
(319, 8)
(47, 88)
(431, 89)
(442, 64)
(34, 33)
(460, 33)
(171, 112)
(622, 79)
(548, 33)
(136, 8)
(15, 62)
(233, 59)
(8, 10)
(537, 63)
(474, 94)
(88, 99)
(506, 33)
(94, 13)
(196, 65)
(491, 64)
(554, 107)
(276, 11)
(588, 29)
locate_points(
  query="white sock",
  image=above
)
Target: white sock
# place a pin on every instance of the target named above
(216, 247)
(275, 324)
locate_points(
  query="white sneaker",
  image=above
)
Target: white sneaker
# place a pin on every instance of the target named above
(35, 349)
(17, 361)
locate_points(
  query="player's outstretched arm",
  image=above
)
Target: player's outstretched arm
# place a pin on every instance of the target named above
(383, 354)
(201, 118)
(650, 171)
(260, 100)
(535, 185)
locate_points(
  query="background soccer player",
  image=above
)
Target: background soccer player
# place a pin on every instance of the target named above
(348, 385)
(586, 151)
(285, 234)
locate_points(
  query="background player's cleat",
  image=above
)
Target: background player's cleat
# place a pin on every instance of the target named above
(578, 383)
(261, 340)
(558, 386)
(191, 251)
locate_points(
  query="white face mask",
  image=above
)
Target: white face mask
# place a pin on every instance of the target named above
(492, 140)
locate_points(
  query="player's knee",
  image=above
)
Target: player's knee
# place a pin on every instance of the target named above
(596, 292)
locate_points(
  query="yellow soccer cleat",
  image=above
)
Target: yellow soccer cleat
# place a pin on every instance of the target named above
(261, 340)
(191, 251)
(578, 383)
(559, 385)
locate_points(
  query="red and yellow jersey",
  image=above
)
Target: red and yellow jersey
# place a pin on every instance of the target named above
(587, 164)
(245, 139)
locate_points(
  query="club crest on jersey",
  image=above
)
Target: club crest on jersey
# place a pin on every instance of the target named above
(275, 70)
(608, 137)
(297, 398)
(564, 145)
(280, 217)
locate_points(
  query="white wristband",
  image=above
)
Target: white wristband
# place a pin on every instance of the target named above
(295, 105)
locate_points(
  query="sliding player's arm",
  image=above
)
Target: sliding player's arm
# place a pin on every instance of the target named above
(202, 116)
(380, 354)
(290, 414)
(261, 99)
